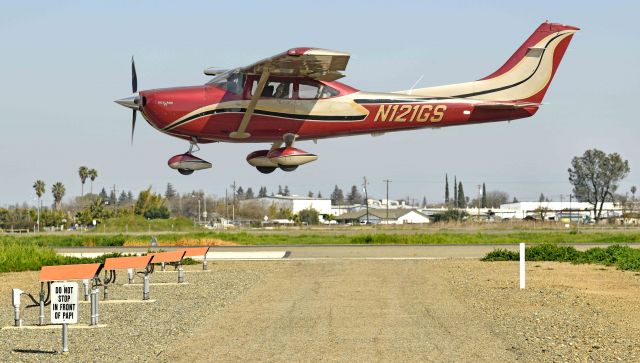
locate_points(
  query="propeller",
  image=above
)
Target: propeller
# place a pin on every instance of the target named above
(134, 89)
(134, 101)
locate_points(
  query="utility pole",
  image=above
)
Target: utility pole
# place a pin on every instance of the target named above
(387, 181)
(226, 204)
(479, 198)
(233, 207)
(366, 197)
(570, 213)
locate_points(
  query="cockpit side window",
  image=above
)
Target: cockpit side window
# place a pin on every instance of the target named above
(274, 88)
(232, 81)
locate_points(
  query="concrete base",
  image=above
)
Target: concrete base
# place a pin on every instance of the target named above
(53, 326)
(120, 301)
(160, 284)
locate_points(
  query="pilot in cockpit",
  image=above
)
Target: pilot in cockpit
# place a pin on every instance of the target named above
(282, 91)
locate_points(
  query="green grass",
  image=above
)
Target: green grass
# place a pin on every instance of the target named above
(18, 257)
(623, 257)
(135, 223)
(326, 237)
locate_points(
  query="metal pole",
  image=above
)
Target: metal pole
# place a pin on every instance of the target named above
(522, 270)
(41, 316)
(85, 284)
(130, 275)
(205, 263)
(15, 300)
(180, 274)
(145, 286)
(199, 221)
(65, 338)
(366, 198)
(94, 305)
(162, 266)
(387, 181)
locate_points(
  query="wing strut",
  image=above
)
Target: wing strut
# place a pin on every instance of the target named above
(240, 133)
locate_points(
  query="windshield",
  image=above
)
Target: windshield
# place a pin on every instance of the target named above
(232, 81)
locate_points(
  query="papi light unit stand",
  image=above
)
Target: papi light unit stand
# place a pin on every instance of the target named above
(145, 285)
(130, 275)
(180, 274)
(205, 263)
(15, 301)
(41, 305)
(85, 284)
(94, 304)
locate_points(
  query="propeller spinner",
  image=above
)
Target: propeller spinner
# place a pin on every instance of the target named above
(133, 101)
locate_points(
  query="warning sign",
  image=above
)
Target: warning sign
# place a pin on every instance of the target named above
(64, 303)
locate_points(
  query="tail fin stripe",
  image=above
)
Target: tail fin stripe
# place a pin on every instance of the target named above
(516, 83)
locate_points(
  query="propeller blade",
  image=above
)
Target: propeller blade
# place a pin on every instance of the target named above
(133, 125)
(134, 77)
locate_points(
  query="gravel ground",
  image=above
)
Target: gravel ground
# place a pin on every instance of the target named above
(134, 331)
(355, 310)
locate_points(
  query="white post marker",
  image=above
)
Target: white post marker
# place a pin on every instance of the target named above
(522, 280)
(64, 308)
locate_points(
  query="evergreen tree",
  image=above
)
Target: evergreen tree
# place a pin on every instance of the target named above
(515, 200)
(280, 192)
(240, 193)
(337, 197)
(319, 194)
(310, 194)
(263, 192)
(286, 191)
(541, 198)
(354, 196)
(424, 202)
(461, 199)
(112, 197)
(122, 198)
(455, 191)
(103, 195)
(249, 193)
(446, 189)
(171, 191)
(484, 196)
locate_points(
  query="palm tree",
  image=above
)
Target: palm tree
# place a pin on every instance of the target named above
(93, 174)
(83, 172)
(58, 191)
(39, 188)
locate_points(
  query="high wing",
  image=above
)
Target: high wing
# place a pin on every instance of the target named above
(316, 63)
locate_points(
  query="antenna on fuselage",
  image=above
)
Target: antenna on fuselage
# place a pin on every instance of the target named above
(415, 84)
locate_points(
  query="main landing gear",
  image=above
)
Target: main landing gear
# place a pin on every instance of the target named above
(187, 163)
(286, 158)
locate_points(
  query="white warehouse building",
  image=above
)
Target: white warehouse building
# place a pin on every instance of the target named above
(295, 203)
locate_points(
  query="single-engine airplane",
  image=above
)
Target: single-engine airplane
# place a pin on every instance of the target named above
(295, 96)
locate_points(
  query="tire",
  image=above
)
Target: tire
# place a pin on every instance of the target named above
(289, 168)
(185, 171)
(265, 169)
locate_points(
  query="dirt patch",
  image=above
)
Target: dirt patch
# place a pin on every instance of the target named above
(185, 242)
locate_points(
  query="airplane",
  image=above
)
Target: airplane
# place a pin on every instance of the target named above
(295, 96)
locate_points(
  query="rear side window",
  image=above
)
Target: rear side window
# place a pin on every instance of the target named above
(308, 91)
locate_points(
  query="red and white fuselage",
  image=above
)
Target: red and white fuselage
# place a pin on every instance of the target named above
(310, 107)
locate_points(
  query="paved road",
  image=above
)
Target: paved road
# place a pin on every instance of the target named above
(347, 251)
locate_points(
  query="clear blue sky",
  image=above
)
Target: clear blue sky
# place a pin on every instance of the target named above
(63, 64)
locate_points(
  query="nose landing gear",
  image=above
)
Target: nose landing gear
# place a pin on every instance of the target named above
(187, 163)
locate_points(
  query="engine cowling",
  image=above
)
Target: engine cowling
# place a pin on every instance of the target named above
(188, 162)
(290, 156)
